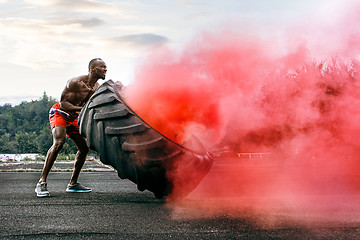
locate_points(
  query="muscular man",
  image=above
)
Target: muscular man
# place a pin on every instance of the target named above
(63, 118)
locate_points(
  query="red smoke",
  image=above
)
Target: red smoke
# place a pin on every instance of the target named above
(254, 95)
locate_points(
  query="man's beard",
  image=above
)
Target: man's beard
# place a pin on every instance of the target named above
(101, 76)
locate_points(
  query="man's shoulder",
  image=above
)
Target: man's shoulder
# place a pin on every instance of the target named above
(76, 80)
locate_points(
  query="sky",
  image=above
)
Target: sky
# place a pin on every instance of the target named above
(45, 43)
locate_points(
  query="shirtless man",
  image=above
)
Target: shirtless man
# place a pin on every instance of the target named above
(63, 118)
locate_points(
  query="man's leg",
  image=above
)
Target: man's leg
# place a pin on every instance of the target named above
(80, 158)
(59, 135)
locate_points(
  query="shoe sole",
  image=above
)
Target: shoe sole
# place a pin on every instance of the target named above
(77, 191)
(42, 195)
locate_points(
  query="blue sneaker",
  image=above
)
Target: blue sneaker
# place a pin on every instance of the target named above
(77, 188)
(41, 190)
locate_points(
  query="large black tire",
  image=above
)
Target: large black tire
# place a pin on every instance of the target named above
(136, 150)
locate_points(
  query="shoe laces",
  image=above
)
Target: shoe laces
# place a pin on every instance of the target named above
(43, 186)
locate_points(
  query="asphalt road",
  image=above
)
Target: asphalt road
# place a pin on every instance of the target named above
(117, 210)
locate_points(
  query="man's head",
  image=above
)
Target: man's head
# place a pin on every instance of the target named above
(97, 66)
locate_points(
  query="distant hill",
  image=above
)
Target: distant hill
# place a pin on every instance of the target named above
(25, 128)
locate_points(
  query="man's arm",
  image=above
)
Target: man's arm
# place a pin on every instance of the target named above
(68, 97)
(69, 107)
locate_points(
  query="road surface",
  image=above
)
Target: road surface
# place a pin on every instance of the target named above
(117, 210)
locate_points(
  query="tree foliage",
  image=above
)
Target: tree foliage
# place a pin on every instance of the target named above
(25, 128)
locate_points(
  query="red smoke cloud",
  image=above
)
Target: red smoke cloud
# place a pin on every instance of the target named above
(256, 95)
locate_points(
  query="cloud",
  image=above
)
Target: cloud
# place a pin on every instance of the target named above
(41, 27)
(141, 40)
(31, 40)
(41, 3)
(83, 6)
(83, 22)
(190, 3)
(184, 3)
(73, 4)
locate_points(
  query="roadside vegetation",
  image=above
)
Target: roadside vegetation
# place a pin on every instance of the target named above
(25, 128)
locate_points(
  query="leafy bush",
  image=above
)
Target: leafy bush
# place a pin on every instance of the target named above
(25, 128)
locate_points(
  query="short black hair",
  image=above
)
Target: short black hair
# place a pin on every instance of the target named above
(92, 62)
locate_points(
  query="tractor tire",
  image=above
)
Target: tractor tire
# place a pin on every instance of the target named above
(136, 150)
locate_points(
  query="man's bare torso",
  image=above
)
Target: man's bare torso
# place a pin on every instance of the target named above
(76, 93)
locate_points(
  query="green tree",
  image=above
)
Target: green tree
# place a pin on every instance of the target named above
(25, 128)
(5, 107)
(27, 142)
(69, 147)
(6, 145)
(44, 140)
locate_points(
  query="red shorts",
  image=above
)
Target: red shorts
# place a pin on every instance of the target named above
(60, 118)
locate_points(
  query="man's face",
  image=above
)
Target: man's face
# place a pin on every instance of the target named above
(100, 69)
